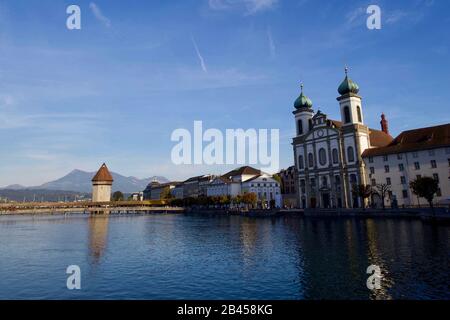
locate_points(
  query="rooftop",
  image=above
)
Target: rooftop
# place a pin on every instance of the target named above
(378, 138)
(415, 140)
(103, 174)
(246, 170)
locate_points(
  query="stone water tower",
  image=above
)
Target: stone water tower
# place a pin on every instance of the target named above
(101, 185)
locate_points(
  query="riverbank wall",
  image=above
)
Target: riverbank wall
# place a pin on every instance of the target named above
(414, 213)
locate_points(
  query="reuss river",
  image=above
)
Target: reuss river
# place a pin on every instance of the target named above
(221, 257)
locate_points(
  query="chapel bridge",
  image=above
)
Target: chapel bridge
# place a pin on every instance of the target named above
(147, 206)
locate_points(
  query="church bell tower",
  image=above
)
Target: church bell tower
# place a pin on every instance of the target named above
(350, 102)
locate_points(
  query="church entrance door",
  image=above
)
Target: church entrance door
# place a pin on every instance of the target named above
(313, 202)
(326, 200)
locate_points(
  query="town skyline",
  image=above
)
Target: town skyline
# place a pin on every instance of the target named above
(130, 84)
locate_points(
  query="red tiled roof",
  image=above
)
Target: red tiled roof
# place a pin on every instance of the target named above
(414, 140)
(103, 175)
(378, 138)
(241, 171)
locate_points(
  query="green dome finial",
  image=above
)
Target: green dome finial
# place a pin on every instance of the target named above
(302, 101)
(348, 86)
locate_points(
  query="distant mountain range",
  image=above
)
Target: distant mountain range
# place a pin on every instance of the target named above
(80, 181)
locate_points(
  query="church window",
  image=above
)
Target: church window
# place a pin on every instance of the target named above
(358, 110)
(335, 156)
(300, 162)
(310, 160)
(350, 154)
(313, 183)
(346, 114)
(310, 122)
(322, 157)
(324, 181)
(300, 127)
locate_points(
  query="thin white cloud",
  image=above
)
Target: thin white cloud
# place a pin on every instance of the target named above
(199, 55)
(99, 15)
(353, 15)
(251, 6)
(218, 4)
(271, 43)
(254, 6)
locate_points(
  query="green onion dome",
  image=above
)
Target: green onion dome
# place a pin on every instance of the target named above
(303, 102)
(348, 86)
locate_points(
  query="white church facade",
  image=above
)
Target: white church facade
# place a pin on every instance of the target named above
(328, 153)
(331, 156)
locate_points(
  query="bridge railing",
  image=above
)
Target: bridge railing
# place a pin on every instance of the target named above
(81, 204)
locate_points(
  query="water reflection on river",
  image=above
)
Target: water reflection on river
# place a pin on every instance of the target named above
(197, 257)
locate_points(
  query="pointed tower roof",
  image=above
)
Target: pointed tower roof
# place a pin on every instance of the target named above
(103, 174)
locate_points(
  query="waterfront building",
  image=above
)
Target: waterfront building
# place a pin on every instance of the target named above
(245, 180)
(413, 153)
(328, 153)
(203, 184)
(196, 186)
(289, 187)
(148, 190)
(160, 191)
(229, 184)
(331, 156)
(137, 196)
(101, 185)
(178, 191)
(221, 186)
(266, 188)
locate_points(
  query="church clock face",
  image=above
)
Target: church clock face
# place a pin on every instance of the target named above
(320, 133)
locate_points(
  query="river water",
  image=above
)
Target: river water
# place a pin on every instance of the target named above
(221, 257)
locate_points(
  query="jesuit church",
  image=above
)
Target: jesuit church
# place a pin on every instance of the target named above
(328, 153)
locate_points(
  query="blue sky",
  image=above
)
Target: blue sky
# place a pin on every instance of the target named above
(116, 89)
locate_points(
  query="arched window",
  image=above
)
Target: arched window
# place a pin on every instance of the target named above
(310, 160)
(300, 127)
(335, 156)
(310, 124)
(350, 154)
(301, 164)
(337, 180)
(347, 114)
(324, 181)
(352, 179)
(358, 110)
(322, 157)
